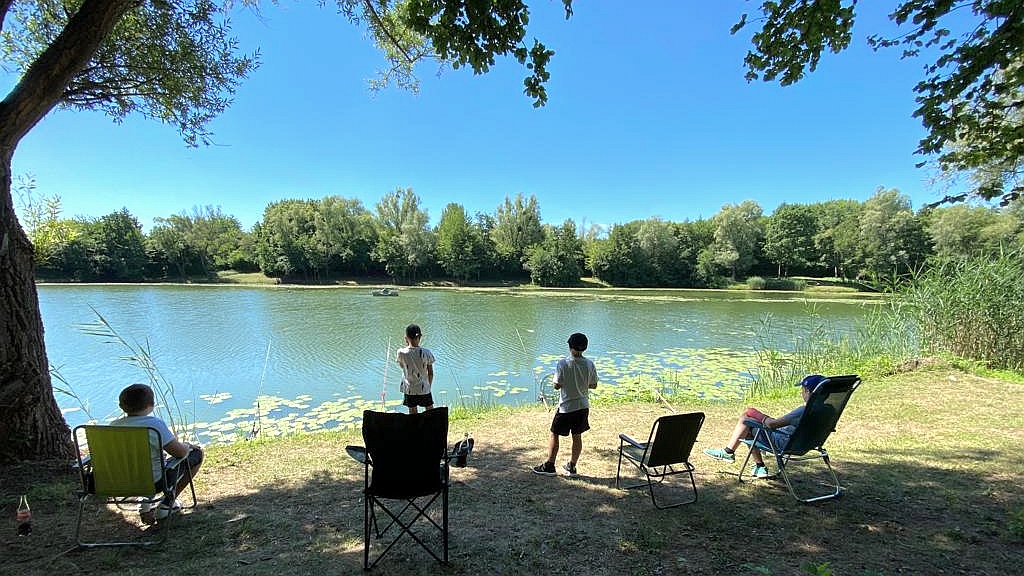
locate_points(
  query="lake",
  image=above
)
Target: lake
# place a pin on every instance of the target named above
(316, 357)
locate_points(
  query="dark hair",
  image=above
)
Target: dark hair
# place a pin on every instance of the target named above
(578, 341)
(412, 331)
(135, 398)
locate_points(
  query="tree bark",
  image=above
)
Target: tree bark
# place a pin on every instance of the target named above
(31, 424)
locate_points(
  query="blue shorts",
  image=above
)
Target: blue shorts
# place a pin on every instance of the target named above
(576, 422)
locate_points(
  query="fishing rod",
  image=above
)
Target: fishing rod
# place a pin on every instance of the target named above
(384, 385)
(257, 424)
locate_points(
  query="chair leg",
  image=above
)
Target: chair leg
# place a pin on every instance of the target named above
(163, 531)
(836, 488)
(618, 469)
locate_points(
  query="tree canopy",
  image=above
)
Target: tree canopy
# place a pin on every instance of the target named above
(970, 100)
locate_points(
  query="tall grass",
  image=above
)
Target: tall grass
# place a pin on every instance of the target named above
(971, 308)
(140, 355)
(877, 345)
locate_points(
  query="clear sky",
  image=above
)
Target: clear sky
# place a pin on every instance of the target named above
(648, 116)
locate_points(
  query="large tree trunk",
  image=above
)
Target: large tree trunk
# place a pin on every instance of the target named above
(31, 425)
(30, 422)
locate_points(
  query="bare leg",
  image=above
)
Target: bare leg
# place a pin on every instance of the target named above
(740, 432)
(577, 448)
(413, 409)
(553, 448)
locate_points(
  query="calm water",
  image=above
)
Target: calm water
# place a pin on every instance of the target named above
(315, 357)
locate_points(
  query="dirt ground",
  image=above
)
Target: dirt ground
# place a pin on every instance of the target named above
(929, 463)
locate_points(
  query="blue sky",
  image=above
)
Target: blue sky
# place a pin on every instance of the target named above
(648, 116)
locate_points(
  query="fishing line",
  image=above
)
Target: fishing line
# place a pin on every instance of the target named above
(384, 385)
(257, 425)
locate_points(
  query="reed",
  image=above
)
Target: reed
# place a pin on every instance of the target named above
(140, 355)
(970, 307)
(885, 339)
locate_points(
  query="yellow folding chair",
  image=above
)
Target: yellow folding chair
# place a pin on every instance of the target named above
(117, 469)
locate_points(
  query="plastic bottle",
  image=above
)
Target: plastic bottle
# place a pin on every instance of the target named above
(24, 517)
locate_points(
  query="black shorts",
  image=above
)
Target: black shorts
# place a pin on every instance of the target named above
(177, 469)
(576, 422)
(424, 400)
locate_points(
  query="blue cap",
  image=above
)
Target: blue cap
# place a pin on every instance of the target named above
(811, 382)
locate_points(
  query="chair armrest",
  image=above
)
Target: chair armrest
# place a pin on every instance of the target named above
(625, 438)
(755, 425)
(358, 453)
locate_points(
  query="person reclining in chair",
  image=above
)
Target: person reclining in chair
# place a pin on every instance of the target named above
(137, 401)
(781, 429)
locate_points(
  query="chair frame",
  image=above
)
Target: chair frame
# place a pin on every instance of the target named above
(656, 461)
(124, 499)
(764, 441)
(372, 502)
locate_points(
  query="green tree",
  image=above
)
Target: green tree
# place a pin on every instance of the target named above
(405, 243)
(789, 237)
(838, 239)
(517, 228)
(120, 247)
(957, 231)
(346, 232)
(970, 97)
(283, 239)
(892, 240)
(168, 241)
(460, 245)
(557, 261)
(177, 63)
(738, 233)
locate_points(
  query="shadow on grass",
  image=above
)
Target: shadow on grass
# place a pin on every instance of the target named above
(913, 513)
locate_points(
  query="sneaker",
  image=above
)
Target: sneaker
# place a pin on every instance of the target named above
(759, 471)
(165, 509)
(569, 468)
(720, 454)
(147, 512)
(546, 469)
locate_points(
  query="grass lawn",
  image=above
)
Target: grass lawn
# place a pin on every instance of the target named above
(930, 462)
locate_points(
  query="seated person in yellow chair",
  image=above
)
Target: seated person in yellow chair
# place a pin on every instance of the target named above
(137, 401)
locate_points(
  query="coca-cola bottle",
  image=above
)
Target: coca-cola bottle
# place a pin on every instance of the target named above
(24, 517)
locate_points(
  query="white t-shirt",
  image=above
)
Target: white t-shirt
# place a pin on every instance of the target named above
(414, 361)
(574, 377)
(166, 437)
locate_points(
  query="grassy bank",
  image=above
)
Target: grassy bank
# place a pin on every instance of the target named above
(930, 462)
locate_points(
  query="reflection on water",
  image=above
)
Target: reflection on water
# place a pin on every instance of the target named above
(318, 357)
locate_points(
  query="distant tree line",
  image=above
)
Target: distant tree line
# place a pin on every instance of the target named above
(879, 240)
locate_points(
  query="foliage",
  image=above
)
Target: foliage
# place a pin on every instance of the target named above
(789, 236)
(461, 246)
(557, 261)
(970, 306)
(756, 283)
(517, 228)
(885, 339)
(312, 238)
(459, 33)
(405, 245)
(970, 100)
(170, 61)
(201, 242)
(892, 240)
(838, 236)
(963, 229)
(738, 233)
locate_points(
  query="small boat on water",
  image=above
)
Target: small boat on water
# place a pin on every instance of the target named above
(384, 292)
